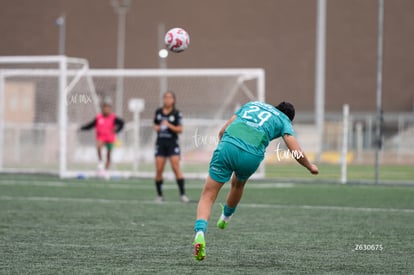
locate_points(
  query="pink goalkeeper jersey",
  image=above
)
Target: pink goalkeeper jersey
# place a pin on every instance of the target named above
(105, 128)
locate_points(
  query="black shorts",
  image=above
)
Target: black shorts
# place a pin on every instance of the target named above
(167, 149)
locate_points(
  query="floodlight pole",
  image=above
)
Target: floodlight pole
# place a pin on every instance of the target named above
(61, 23)
(379, 118)
(320, 75)
(162, 60)
(121, 7)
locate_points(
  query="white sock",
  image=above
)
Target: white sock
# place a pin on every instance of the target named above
(225, 218)
(199, 232)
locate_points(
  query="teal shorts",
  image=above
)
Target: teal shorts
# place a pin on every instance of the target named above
(229, 158)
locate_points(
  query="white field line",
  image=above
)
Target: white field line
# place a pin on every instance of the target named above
(109, 185)
(85, 246)
(324, 207)
(248, 205)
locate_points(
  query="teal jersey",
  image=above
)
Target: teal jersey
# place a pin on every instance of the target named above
(256, 124)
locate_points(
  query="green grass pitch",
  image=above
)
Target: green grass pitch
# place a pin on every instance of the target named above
(52, 226)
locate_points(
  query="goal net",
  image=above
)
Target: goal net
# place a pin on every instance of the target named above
(46, 99)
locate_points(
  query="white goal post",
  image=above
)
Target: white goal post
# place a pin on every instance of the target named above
(20, 78)
(63, 93)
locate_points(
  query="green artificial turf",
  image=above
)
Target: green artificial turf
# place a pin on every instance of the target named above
(53, 226)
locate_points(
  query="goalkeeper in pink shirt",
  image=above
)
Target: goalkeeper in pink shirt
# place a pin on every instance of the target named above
(106, 125)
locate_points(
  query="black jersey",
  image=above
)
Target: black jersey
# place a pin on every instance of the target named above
(174, 117)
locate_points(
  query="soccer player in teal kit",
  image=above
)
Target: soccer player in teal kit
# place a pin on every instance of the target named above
(243, 141)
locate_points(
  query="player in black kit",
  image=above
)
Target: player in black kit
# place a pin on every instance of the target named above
(168, 124)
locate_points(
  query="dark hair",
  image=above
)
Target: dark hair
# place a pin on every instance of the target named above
(174, 97)
(287, 108)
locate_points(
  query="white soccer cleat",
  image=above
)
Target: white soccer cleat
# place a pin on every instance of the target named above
(159, 199)
(101, 167)
(100, 170)
(184, 199)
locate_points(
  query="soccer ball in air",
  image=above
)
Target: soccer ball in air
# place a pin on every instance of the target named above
(177, 40)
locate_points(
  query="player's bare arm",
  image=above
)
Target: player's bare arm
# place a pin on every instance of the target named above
(294, 146)
(226, 125)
